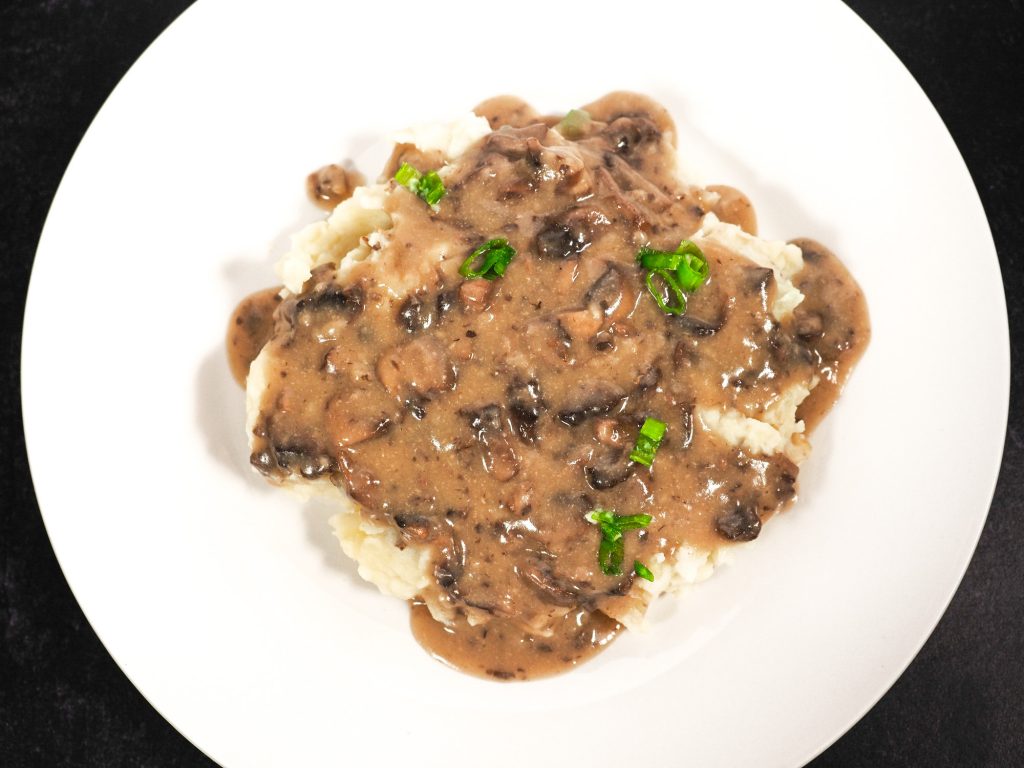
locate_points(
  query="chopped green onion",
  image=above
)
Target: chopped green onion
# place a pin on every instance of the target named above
(693, 269)
(647, 442)
(407, 176)
(431, 188)
(574, 124)
(674, 291)
(609, 556)
(685, 269)
(495, 254)
(612, 548)
(428, 187)
(642, 571)
(652, 259)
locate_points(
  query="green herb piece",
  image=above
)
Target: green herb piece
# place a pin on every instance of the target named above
(574, 124)
(647, 442)
(495, 256)
(682, 270)
(674, 292)
(612, 548)
(693, 268)
(428, 186)
(642, 571)
(431, 188)
(609, 556)
(407, 176)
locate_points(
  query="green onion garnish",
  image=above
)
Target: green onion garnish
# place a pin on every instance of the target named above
(573, 125)
(675, 291)
(693, 269)
(428, 186)
(431, 188)
(495, 254)
(612, 548)
(642, 571)
(682, 270)
(647, 442)
(407, 176)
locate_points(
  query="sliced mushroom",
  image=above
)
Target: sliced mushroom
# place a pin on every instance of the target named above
(486, 418)
(475, 295)
(581, 324)
(361, 484)
(739, 524)
(292, 458)
(626, 103)
(415, 528)
(600, 399)
(498, 456)
(451, 565)
(358, 414)
(415, 315)
(419, 367)
(686, 433)
(629, 134)
(613, 294)
(525, 406)
(331, 297)
(445, 302)
(607, 468)
(517, 143)
(506, 110)
(539, 574)
(612, 433)
(566, 234)
(331, 184)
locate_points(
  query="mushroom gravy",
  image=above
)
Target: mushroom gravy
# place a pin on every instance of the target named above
(482, 420)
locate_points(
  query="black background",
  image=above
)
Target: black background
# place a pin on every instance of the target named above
(63, 701)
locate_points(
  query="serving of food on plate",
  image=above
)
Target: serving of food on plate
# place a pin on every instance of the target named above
(544, 378)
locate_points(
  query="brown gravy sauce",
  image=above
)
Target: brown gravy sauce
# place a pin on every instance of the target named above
(483, 420)
(250, 328)
(501, 650)
(332, 184)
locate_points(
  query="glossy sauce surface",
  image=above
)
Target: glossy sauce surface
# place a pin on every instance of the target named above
(484, 419)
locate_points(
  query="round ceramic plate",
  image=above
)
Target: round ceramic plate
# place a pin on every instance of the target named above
(228, 603)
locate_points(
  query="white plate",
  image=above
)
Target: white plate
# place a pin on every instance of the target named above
(227, 603)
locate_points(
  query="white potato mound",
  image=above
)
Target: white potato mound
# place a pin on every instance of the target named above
(355, 231)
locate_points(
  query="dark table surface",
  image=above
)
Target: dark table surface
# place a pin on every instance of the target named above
(63, 701)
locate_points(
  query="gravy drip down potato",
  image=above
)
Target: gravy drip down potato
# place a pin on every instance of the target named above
(480, 433)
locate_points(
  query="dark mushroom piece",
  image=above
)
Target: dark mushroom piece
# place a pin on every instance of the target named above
(331, 297)
(539, 574)
(629, 134)
(686, 433)
(601, 400)
(360, 413)
(417, 528)
(451, 565)
(499, 458)
(330, 185)
(626, 103)
(739, 524)
(303, 460)
(566, 234)
(607, 468)
(415, 315)
(506, 110)
(446, 300)
(525, 406)
(613, 293)
(419, 367)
